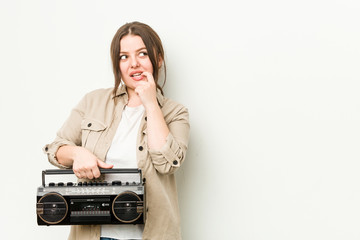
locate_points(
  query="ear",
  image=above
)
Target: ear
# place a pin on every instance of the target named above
(160, 61)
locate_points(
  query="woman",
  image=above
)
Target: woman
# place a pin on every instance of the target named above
(130, 125)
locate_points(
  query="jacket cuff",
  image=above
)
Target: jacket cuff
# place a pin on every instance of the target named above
(51, 149)
(169, 158)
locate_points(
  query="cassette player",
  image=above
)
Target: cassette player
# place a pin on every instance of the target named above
(93, 202)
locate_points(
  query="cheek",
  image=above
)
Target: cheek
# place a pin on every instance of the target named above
(122, 66)
(148, 66)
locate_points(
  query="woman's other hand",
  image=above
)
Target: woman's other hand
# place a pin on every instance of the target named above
(146, 90)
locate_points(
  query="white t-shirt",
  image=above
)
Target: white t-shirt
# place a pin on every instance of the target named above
(122, 154)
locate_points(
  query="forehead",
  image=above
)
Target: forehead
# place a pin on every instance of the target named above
(131, 43)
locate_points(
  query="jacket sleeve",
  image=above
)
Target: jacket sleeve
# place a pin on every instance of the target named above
(170, 157)
(69, 134)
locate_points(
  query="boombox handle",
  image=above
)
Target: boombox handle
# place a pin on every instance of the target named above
(102, 171)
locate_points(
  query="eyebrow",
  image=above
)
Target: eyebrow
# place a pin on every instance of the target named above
(138, 50)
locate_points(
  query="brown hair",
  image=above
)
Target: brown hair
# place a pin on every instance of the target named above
(153, 46)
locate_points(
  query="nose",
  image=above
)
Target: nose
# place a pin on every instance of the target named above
(134, 62)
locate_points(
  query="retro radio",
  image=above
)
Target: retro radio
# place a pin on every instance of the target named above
(93, 202)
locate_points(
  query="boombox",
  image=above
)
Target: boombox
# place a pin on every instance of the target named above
(93, 202)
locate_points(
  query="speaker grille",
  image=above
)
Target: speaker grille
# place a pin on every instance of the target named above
(127, 207)
(52, 208)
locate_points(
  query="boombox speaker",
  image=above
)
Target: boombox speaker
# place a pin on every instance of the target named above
(94, 202)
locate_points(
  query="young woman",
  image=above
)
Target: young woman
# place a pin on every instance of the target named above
(130, 125)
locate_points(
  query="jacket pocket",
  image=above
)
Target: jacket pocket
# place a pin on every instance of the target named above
(91, 131)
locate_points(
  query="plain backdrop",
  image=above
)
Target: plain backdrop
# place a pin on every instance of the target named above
(272, 88)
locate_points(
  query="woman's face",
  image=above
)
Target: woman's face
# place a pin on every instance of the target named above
(134, 60)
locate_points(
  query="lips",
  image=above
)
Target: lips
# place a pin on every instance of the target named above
(136, 75)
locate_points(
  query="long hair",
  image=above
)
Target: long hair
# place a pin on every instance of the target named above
(153, 46)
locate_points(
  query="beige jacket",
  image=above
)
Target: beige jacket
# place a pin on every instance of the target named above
(93, 123)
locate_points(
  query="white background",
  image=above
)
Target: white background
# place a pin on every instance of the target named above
(273, 93)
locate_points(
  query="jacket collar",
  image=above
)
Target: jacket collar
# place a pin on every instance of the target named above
(122, 93)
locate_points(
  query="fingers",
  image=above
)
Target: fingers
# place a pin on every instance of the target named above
(85, 164)
(140, 89)
(149, 77)
(102, 164)
(95, 172)
(91, 172)
(79, 174)
(87, 172)
(146, 90)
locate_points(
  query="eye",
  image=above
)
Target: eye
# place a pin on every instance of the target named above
(123, 57)
(143, 54)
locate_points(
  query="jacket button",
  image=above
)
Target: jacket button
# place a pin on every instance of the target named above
(175, 162)
(141, 148)
(46, 149)
(145, 118)
(89, 125)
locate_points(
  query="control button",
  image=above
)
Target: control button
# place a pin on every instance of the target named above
(51, 184)
(175, 162)
(85, 183)
(79, 183)
(60, 184)
(116, 183)
(69, 184)
(127, 183)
